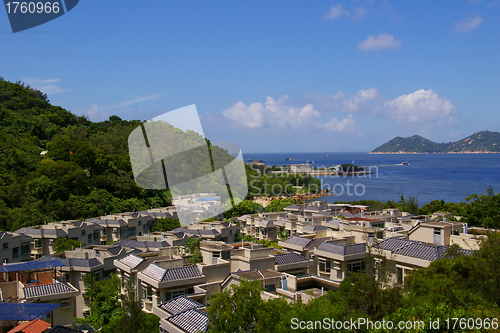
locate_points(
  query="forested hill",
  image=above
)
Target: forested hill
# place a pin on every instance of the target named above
(480, 142)
(85, 173)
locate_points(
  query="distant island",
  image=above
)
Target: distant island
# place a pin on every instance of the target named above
(480, 142)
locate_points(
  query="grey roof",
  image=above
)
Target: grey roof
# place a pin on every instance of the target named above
(313, 208)
(115, 250)
(267, 224)
(155, 272)
(416, 249)
(131, 261)
(47, 289)
(289, 258)
(74, 262)
(314, 228)
(38, 232)
(225, 224)
(141, 244)
(324, 213)
(299, 241)
(190, 321)
(294, 207)
(181, 273)
(343, 250)
(178, 273)
(62, 329)
(109, 222)
(179, 304)
(78, 223)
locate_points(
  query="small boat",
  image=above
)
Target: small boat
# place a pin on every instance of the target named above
(327, 155)
(405, 163)
(249, 160)
(288, 159)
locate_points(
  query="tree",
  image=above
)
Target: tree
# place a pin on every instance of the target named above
(132, 318)
(192, 247)
(167, 224)
(279, 204)
(64, 244)
(244, 207)
(104, 305)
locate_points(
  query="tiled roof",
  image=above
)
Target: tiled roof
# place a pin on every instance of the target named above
(47, 289)
(299, 241)
(416, 249)
(178, 273)
(294, 207)
(225, 224)
(179, 304)
(141, 245)
(131, 261)
(155, 272)
(289, 258)
(34, 326)
(343, 250)
(181, 273)
(190, 321)
(314, 228)
(115, 250)
(62, 329)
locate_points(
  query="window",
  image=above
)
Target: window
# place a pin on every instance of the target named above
(65, 304)
(38, 243)
(140, 222)
(264, 231)
(230, 232)
(216, 254)
(26, 248)
(131, 232)
(123, 231)
(270, 288)
(5, 246)
(83, 232)
(90, 239)
(226, 255)
(15, 252)
(355, 266)
(325, 265)
(400, 274)
(103, 232)
(437, 232)
(66, 277)
(37, 256)
(371, 237)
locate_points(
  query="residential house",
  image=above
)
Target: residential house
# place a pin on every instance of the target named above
(15, 247)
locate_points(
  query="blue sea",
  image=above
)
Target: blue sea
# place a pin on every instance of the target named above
(451, 177)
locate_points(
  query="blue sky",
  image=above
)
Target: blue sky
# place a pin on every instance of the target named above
(279, 76)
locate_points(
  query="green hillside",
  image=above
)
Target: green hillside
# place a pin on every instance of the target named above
(481, 142)
(85, 172)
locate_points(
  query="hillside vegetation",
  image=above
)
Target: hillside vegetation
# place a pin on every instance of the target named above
(57, 166)
(480, 142)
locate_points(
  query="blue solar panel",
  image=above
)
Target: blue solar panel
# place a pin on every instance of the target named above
(25, 311)
(29, 265)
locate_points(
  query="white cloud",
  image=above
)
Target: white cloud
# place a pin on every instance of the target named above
(382, 41)
(250, 116)
(274, 113)
(336, 12)
(281, 113)
(421, 106)
(346, 124)
(361, 100)
(362, 9)
(470, 23)
(333, 101)
(47, 86)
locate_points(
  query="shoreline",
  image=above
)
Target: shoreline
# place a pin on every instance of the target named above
(264, 201)
(450, 152)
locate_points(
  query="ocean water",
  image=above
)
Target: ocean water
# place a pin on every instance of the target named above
(451, 177)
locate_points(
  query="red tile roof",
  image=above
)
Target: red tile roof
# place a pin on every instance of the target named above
(34, 326)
